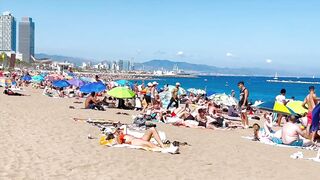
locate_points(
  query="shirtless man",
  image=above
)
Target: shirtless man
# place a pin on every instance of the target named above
(291, 132)
(311, 100)
(91, 102)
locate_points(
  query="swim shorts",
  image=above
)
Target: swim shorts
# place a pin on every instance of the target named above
(297, 143)
(309, 116)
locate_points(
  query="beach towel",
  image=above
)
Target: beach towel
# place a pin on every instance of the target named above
(267, 141)
(111, 143)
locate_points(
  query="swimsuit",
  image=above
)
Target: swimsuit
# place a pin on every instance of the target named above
(241, 102)
(315, 118)
(294, 143)
(309, 116)
(203, 124)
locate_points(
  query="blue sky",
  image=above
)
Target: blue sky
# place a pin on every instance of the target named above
(229, 33)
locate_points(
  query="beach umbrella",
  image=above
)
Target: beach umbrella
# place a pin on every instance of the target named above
(296, 106)
(61, 83)
(121, 93)
(201, 91)
(93, 87)
(165, 97)
(37, 78)
(223, 99)
(276, 107)
(26, 78)
(76, 82)
(192, 90)
(124, 82)
(86, 79)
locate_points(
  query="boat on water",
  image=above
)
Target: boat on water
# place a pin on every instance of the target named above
(276, 76)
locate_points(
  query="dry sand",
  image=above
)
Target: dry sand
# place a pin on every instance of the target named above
(40, 141)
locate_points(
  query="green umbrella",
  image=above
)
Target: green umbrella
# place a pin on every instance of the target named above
(121, 93)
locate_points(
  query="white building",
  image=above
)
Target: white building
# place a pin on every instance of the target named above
(7, 32)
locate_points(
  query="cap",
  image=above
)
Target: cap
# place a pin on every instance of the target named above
(155, 83)
(177, 84)
(149, 84)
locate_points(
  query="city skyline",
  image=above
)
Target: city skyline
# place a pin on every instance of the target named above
(267, 34)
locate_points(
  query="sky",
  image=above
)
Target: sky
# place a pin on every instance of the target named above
(230, 33)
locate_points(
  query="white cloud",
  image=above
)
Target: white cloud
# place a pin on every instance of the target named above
(229, 54)
(268, 61)
(180, 53)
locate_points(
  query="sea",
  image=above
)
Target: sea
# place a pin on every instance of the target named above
(259, 87)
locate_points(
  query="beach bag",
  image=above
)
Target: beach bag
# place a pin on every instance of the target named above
(219, 122)
(139, 121)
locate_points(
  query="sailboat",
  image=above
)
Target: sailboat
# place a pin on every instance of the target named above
(276, 76)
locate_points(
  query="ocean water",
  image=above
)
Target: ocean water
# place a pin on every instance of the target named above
(258, 87)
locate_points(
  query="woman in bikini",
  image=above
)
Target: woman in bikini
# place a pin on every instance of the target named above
(123, 138)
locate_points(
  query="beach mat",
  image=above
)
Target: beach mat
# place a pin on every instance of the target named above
(269, 142)
(110, 143)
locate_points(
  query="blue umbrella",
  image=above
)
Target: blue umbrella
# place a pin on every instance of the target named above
(123, 82)
(37, 79)
(76, 82)
(26, 78)
(93, 87)
(61, 83)
(86, 79)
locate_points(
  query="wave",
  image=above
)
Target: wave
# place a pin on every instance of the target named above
(292, 82)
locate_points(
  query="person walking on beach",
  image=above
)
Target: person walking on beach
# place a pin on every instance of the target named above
(243, 104)
(281, 98)
(311, 100)
(174, 96)
(153, 91)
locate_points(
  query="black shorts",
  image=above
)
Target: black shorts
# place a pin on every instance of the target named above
(148, 99)
(204, 124)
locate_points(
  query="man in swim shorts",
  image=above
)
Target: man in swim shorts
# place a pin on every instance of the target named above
(309, 103)
(291, 132)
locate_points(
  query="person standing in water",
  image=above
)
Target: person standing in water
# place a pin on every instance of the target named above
(243, 104)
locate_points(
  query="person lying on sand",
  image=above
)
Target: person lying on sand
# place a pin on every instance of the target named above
(123, 138)
(9, 92)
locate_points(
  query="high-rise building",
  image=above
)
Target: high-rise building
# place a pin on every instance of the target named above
(26, 38)
(7, 32)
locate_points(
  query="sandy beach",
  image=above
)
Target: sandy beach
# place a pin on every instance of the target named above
(41, 141)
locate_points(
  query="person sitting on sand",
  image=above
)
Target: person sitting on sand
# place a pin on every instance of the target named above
(291, 132)
(92, 102)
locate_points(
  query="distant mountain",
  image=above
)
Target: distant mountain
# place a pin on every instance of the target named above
(169, 65)
(60, 58)
(204, 69)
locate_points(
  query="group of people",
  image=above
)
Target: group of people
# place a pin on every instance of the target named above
(193, 110)
(298, 130)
